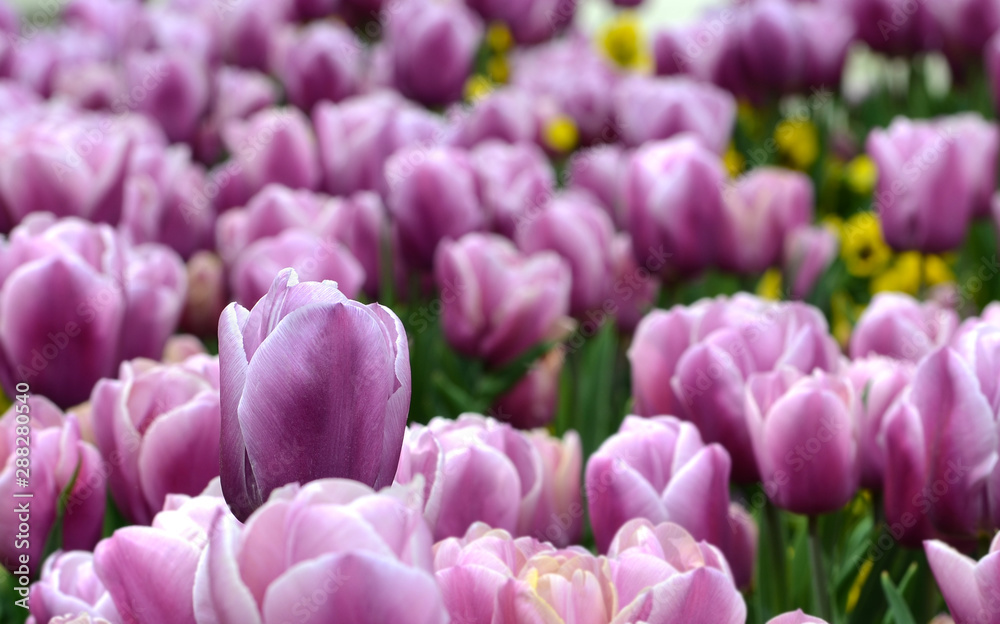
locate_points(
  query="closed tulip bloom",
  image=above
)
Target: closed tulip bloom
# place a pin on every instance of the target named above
(176, 87)
(57, 456)
(530, 21)
(159, 425)
(651, 109)
(312, 257)
(771, 45)
(358, 135)
(368, 555)
(149, 571)
(635, 288)
(517, 182)
(361, 223)
(880, 26)
(581, 232)
(795, 617)
(879, 381)
(498, 303)
(248, 31)
(476, 469)
(433, 47)
(805, 435)
(673, 199)
(352, 394)
(559, 515)
(900, 327)
(827, 33)
(601, 171)
(925, 165)
(764, 207)
(532, 402)
(970, 587)
(77, 300)
(236, 94)
(316, 63)
(653, 468)
(434, 196)
(206, 295)
(270, 212)
(966, 26)
(68, 584)
(507, 114)
(808, 253)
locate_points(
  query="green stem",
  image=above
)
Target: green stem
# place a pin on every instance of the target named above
(820, 587)
(778, 555)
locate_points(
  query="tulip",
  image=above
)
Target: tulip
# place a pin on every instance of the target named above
(506, 114)
(359, 382)
(496, 303)
(532, 402)
(368, 555)
(313, 258)
(433, 46)
(885, 27)
(966, 27)
(879, 381)
(248, 30)
(76, 301)
(600, 171)
(764, 207)
(206, 295)
(969, 587)
(795, 617)
(635, 287)
(313, 9)
(360, 223)
(673, 199)
(581, 232)
(517, 182)
(827, 34)
(236, 94)
(172, 29)
(357, 136)
(709, 350)
(180, 347)
(122, 22)
(40, 58)
(434, 196)
(158, 425)
(808, 253)
(57, 456)
(175, 89)
(626, 479)
(651, 109)
(509, 470)
(15, 97)
(92, 85)
(530, 21)
(68, 584)
(924, 165)
(772, 46)
(318, 62)
(150, 571)
(898, 326)
(270, 212)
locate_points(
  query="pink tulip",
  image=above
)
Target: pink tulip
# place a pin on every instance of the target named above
(236, 94)
(506, 114)
(517, 182)
(206, 294)
(795, 617)
(970, 587)
(808, 253)
(69, 584)
(601, 172)
(900, 327)
(318, 62)
(635, 288)
(532, 402)
(174, 88)
(530, 21)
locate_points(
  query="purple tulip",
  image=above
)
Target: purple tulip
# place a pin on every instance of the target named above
(674, 202)
(519, 486)
(122, 23)
(497, 303)
(635, 288)
(927, 165)
(506, 114)
(162, 201)
(517, 181)
(434, 195)
(601, 171)
(318, 62)
(970, 587)
(530, 21)
(805, 435)
(357, 136)
(532, 402)
(650, 109)
(827, 34)
(900, 327)
(76, 301)
(236, 94)
(886, 26)
(361, 223)
(352, 394)
(158, 427)
(966, 26)
(206, 295)
(795, 617)
(15, 97)
(248, 29)
(654, 468)
(150, 571)
(174, 88)
(433, 46)
(40, 58)
(878, 381)
(306, 10)
(57, 455)
(772, 45)
(368, 555)
(69, 584)
(93, 85)
(764, 207)
(808, 253)
(270, 212)
(580, 232)
(171, 29)
(941, 447)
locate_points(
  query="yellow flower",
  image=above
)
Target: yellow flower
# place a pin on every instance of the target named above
(734, 161)
(769, 286)
(855, 593)
(561, 134)
(799, 141)
(498, 37)
(937, 271)
(624, 42)
(903, 276)
(477, 87)
(497, 68)
(861, 174)
(862, 247)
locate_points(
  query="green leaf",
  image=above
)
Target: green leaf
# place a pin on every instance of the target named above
(55, 538)
(898, 611)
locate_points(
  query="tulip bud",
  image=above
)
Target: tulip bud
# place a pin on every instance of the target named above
(601, 172)
(206, 295)
(517, 183)
(900, 327)
(68, 584)
(318, 62)
(969, 587)
(808, 253)
(170, 86)
(878, 382)
(795, 617)
(506, 114)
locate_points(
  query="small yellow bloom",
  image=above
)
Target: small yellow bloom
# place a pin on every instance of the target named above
(734, 161)
(769, 286)
(497, 69)
(498, 37)
(561, 134)
(903, 276)
(861, 174)
(624, 43)
(477, 87)
(937, 271)
(862, 247)
(855, 593)
(748, 117)
(799, 141)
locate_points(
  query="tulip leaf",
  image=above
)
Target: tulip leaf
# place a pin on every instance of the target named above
(899, 612)
(10, 612)
(55, 537)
